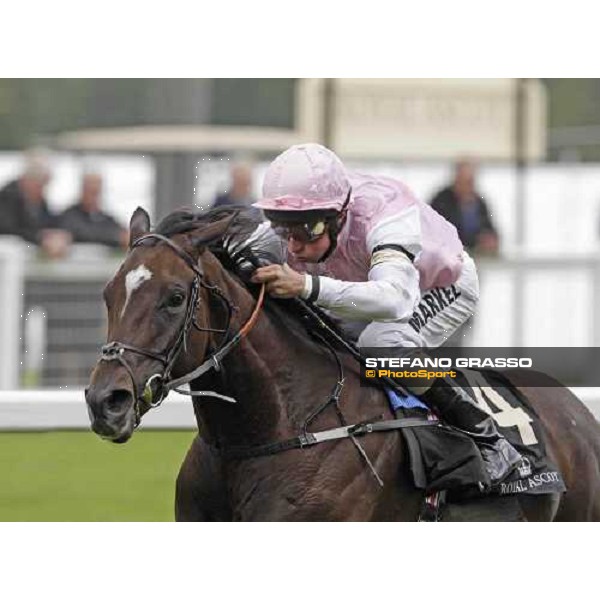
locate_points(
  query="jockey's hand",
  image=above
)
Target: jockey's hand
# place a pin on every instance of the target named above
(281, 280)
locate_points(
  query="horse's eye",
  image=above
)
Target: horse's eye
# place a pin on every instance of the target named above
(176, 300)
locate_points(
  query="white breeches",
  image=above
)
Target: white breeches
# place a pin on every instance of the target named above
(437, 315)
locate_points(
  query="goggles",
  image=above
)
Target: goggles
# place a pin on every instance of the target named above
(301, 232)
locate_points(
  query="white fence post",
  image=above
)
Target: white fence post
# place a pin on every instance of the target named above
(12, 269)
(595, 311)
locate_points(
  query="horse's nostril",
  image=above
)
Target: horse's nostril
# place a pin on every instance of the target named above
(118, 401)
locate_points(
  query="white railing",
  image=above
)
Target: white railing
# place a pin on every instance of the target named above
(47, 410)
(538, 300)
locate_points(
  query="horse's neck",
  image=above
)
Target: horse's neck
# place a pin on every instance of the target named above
(274, 374)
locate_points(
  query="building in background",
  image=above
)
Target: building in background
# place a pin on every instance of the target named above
(182, 123)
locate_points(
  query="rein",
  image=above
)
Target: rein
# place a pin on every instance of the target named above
(160, 384)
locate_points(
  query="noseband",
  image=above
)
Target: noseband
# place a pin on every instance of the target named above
(158, 385)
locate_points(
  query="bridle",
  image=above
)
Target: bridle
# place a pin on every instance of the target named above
(158, 385)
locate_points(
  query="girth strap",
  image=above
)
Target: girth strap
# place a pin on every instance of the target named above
(310, 439)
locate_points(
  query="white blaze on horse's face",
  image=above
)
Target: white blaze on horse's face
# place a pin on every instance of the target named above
(133, 280)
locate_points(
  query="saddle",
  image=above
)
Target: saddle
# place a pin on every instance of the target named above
(446, 459)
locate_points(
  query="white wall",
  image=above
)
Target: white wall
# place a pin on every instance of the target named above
(563, 200)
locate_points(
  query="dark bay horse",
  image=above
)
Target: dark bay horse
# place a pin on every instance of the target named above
(168, 307)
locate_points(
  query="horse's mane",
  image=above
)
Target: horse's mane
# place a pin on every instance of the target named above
(242, 223)
(185, 220)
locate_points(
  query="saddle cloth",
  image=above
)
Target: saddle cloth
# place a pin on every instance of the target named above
(446, 459)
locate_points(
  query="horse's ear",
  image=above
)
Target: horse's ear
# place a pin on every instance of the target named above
(212, 232)
(138, 225)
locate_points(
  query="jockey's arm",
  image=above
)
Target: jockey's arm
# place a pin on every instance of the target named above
(392, 289)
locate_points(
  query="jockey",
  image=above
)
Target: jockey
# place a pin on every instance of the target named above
(365, 249)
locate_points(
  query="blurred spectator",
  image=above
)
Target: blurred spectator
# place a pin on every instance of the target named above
(87, 223)
(462, 205)
(240, 189)
(24, 210)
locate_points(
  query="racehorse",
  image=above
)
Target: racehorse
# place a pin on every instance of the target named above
(177, 314)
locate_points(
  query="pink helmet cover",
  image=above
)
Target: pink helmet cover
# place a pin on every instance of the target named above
(305, 177)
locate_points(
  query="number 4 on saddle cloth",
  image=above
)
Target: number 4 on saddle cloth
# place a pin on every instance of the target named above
(446, 459)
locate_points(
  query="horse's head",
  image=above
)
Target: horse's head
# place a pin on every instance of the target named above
(154, 305)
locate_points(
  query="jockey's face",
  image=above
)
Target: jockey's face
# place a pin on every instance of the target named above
(310, 252)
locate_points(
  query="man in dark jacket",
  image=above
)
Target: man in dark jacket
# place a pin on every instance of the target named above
(240, 188)
(87, 223)
(23, 208)
(240, 191)
(463, 206)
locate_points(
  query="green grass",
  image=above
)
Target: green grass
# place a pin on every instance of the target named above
(75, 476)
